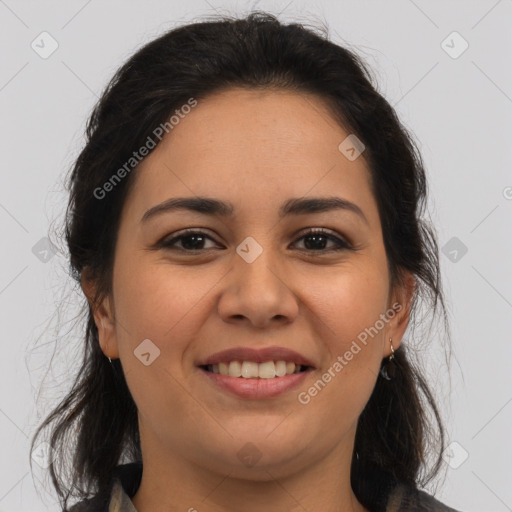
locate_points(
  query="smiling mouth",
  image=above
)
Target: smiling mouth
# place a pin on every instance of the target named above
(253, 370)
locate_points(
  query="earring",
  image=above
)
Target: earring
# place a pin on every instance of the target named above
(109, 360)
(388, 369)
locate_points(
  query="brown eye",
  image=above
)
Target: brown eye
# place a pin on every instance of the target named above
(190, 240)
(316, 239)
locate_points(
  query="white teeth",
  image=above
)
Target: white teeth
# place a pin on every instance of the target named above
(235, 369)
(280, 368)
(267, 370)
(251, 370)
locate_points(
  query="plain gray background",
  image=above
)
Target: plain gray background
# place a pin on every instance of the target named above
(457, 104)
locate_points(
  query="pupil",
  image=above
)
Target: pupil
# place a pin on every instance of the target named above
(199, 239)
(316, 239)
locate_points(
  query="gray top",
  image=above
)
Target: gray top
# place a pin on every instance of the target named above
(119, 500)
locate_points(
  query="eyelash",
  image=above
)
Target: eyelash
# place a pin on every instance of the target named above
(341, 244)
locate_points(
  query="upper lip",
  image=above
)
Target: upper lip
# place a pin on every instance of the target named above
(256, 355)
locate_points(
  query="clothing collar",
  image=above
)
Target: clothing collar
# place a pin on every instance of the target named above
(127, 478)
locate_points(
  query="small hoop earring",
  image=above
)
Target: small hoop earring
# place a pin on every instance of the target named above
(388, 369)
(109, 360)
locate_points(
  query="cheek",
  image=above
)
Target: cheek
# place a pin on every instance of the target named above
(348, 299)
(346, 324)
(152, 299)
(347, 309)
(160, 302)
(155, 302)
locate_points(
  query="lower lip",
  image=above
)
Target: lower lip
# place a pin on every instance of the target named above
(257, 388)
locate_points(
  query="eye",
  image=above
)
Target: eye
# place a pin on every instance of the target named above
(314, 239)
(191, 241)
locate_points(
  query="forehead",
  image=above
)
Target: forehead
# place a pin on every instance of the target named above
(256, 127)
(253, 147)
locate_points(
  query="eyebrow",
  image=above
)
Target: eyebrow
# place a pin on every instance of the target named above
(216, 207)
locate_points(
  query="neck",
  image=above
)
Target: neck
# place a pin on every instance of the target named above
(171, 483)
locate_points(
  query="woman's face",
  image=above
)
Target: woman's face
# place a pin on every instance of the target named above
(254, 280)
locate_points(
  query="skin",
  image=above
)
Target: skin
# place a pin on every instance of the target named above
(256, 149)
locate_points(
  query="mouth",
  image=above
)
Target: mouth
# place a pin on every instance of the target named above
(256, 374)
(253, 370)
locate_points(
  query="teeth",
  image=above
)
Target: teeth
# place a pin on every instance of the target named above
(267, 370)
(252, 370)
(280, 368)
(249, 369)
(234, 369)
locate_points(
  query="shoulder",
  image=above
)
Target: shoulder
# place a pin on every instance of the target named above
(406, 498)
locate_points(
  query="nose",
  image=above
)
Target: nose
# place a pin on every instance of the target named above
(259, 293)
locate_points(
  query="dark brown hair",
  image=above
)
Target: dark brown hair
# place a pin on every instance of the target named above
(95, 427)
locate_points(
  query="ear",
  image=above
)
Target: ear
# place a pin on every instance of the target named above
(103, 318)
(401, 303)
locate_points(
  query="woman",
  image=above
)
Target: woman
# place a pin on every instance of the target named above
(245, 223)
